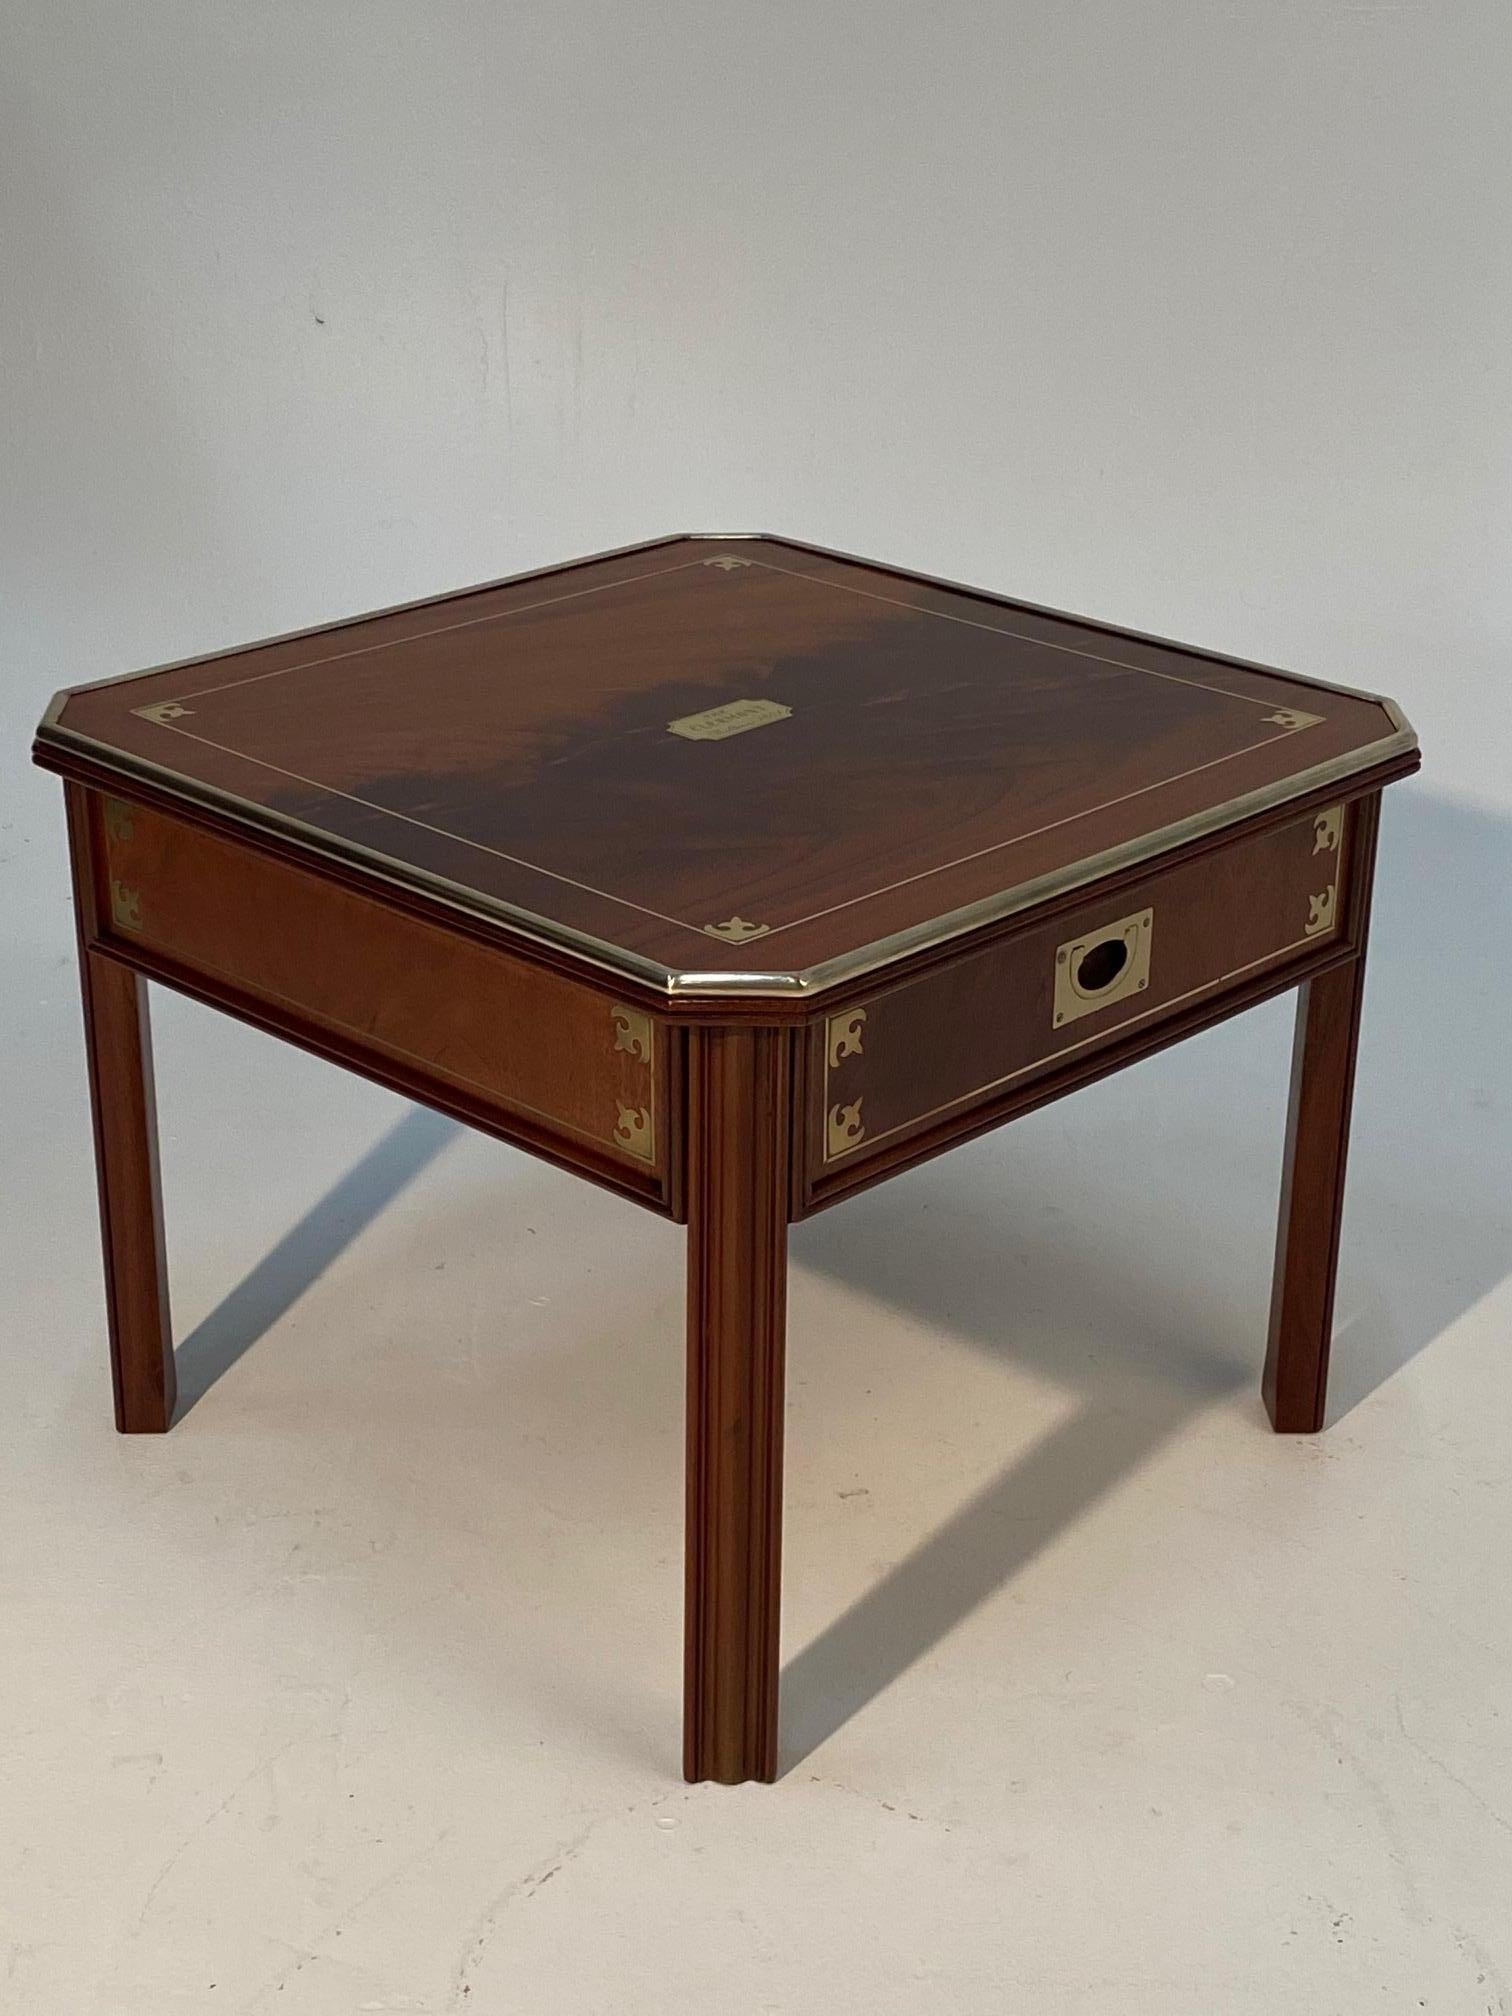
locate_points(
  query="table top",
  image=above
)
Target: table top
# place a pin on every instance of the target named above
(728, 765)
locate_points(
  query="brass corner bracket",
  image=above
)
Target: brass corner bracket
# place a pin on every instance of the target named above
(844, 1127)
(735, 930)
(843, 1035)
(632, 1032)
(633, 1131)
(125, 906)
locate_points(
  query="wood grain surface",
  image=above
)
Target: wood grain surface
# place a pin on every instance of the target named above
(542, 1055)
(739, 1144)
(572, 746)
(928, 1052)
(1295, 1380)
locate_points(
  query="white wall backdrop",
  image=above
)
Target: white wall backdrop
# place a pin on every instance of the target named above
(1194, 314)
(1188, 315)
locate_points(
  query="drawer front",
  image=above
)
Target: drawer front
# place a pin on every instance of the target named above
(918, 1056)
(573, 1063)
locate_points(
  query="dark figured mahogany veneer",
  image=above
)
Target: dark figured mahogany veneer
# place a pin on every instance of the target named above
(735, 876)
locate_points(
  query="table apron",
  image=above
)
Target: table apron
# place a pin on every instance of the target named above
(548, 1063)
(924, 1064)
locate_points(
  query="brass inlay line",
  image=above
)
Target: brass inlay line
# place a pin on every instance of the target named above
(460, 839)
(440, 630)
(164, 714)
(1070, 1049)
(1036, 833)
(743, 930)
(1022, 636)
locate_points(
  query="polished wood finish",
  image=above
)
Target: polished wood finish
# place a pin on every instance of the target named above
(1295, 1381)
(926, 1054)
(519, 747)
(390, 988)
(736, 877)
(739, 1121)
(118, 1044)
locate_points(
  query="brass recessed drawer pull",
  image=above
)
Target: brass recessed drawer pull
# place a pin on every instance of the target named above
(1102, 967)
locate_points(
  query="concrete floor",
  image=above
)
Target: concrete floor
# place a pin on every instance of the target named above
(359, 1691)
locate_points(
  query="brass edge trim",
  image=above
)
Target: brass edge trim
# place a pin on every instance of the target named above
(785, 540)
(1104, 628)
(1053, 1057)
(693, 985)
(809, 981)
(1059, 881)
(318, 843)
(373, 615)
(711, 986)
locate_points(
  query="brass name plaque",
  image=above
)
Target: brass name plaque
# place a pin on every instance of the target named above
(733, 718)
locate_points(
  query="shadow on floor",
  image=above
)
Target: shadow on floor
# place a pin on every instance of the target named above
(1427, 1234)
(306, 1250)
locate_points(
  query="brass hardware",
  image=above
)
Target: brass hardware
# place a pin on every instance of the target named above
(1320, 910)
(1327, 828)
(1293, 717)
(844, 1032)
(1059, 1051)
(118, 820)
(163, 711)
(733, 717)
(687, 982)
(1102, 967)
(684, 981)
(736, 931)
(844, 1128)
(125, 906)
(632, 1032)
(633, 1130)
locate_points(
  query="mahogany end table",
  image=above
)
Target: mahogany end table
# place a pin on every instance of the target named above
(736, 876)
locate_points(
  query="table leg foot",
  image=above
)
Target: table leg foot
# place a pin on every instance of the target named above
(738, 1171)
